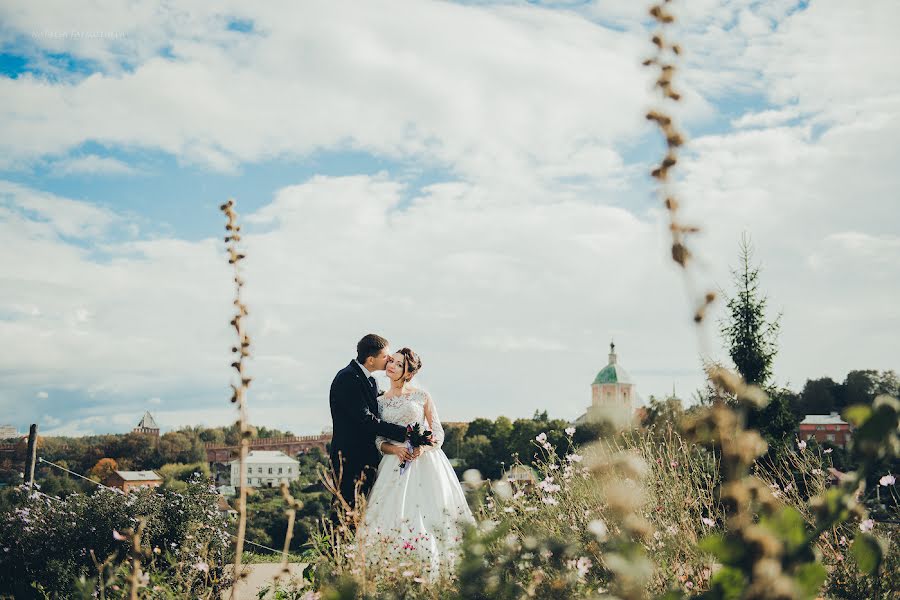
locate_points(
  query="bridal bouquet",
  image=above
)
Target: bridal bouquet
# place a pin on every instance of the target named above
(416, 436)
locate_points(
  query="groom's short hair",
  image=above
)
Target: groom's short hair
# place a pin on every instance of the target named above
(370, 345)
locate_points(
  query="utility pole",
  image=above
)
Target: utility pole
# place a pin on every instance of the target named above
(32, 455)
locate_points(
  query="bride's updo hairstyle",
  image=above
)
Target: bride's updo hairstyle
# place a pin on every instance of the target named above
(411, 363)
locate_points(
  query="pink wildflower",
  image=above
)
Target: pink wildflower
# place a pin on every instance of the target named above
(866, 525)
(541, 438)
(202, 566)
(887, 480)
(801, 444)
(708, 522)
(570, 431)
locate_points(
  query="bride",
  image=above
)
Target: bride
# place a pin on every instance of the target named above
(413, 515)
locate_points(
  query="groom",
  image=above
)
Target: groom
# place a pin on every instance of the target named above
(354, 417)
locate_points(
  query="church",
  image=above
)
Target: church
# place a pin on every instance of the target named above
(612, 393)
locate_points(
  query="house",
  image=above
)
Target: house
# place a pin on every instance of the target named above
(224, 508)
(826, 428)
(520, 476)
(129, 480)
(266, 468)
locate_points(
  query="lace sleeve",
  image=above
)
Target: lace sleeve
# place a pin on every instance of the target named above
(379, 440)
(434, 422)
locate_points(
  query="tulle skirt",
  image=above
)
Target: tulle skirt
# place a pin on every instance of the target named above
(414, 519)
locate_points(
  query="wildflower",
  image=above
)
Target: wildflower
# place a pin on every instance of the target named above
(118, 536)
(887, 480)
(708, 522)
(599, 529)
(541, 438)
(202, 566)
(673, 464)
(843, 540)
(548, 486)
(817, 471)
(801, 444)
(828, 450)
(311, 595)
(407, 573)
(866, 525)
(570, 431)
(509, 509)
(549, 500)
(575, 458)
(553, 466)
(689, 585)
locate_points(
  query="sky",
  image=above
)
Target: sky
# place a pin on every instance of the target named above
(468, 179)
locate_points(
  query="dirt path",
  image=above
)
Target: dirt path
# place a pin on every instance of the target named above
(262, 574)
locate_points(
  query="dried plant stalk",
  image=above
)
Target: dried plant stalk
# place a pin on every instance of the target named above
(135, 577)
(239, 396)
(664, 61)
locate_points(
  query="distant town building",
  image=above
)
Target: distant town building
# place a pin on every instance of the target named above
(224, 507)
(129, 480)
(521, 476)
(266, 468)
(290, 445)
(8, 431)
(612, 393)
(826, 428)
(147, 426)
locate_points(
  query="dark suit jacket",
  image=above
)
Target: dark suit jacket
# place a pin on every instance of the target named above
(354, 416)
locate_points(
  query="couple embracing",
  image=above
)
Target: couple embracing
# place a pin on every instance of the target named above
(415, 504)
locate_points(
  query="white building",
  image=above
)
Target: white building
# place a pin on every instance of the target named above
(613, 396)
(266, 468)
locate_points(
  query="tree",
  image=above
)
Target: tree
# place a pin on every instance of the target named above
(819, 397)
(481, 426)
(182, 446)
(103, 469)
(751, 339)
(752, 342)
(660, 412)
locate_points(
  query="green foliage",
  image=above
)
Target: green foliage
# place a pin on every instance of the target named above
(48, 543)
(867, 552)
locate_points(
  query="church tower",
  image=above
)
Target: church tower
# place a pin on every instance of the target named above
(611, 391)
(147, 426)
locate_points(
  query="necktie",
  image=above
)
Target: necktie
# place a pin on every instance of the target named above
(374, 385)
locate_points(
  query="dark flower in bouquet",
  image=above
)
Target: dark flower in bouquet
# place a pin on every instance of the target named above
(416, 436)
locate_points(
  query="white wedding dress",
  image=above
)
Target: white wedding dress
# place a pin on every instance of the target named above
(413, 519)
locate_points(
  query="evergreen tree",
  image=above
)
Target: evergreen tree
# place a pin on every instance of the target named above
(752, 342)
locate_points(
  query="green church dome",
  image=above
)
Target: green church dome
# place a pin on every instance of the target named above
(613, 372)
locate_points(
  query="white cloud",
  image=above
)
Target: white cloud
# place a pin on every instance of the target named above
(57, 215)
(530, 87)
(91, 164)
(510, 278)
(765, 118)
(42, 395)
